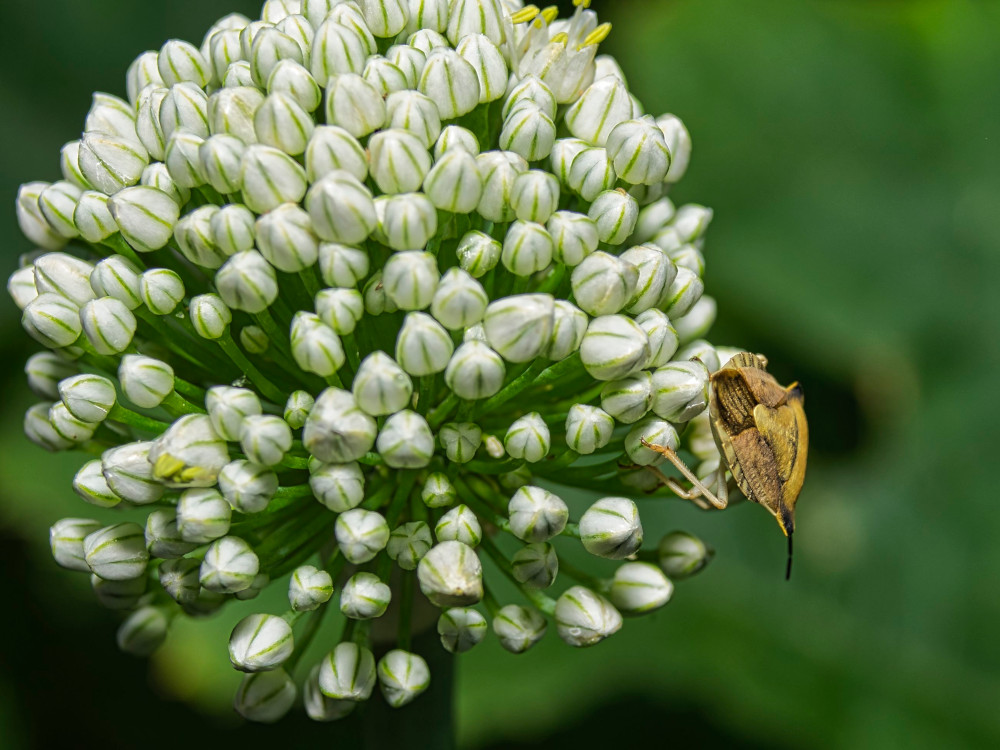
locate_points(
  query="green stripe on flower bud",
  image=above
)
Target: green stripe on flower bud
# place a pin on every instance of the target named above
(498, 170)
(588, 428)
(519, 327)
(203, 515)
(384, 75)
(162, 290)
(381, 387)
(265, 697)
(339, 487)
(459, 300)
(39, 429)
(64, 275)
(450, 81)
(697, 320)
(536, 565)
(230, 565)
(361, 534)
(108, 324)
(129, 473)
(639, 151)
(364, 597)
(117, 552)
(348, 673)
(210, 316)
(163, 539)
(89, 483)
(69, 428)
(354, 104)
(574, 236)
(423, 346)
(119, 278)
(402, 677)
(341, 208)
(409, 543)
(456, 137)
(265, 439)
(405, 441)
(536, 515)
(527, 248)
(613, 347)
(518, 628)
(111, 163)
(309, 588)
(584, 618)
(337, 430)
(528, 131)
(639, 588)
(681, 555)
(478, 253)
(409, 220)
(530, 88)
(605, 104)
(410, 279)
(315, 346)
(58, 203)
(228, 407)
(88, 397)
(528, 438)
(683, 293)
(247, 282)
(412, 112)
(629, 399)
(615, 212)
(179, 578)
(592, 172)
(460, 629)
(451, 575)
(611, 528)
(488, 62)
(247, 486)
(475, 371)
(460, 525)
(145, 215)
(438, 491)
(680, 390)
(454, 183)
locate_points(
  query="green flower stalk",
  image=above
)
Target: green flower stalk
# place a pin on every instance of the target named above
(350, 294)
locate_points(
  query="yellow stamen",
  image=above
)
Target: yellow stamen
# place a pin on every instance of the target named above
(597, 36)
(166, 466)
(582, 4)
(561, 38)
(550, 14)
(527, 13)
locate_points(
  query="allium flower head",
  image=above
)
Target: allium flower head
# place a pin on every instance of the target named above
(350, 296)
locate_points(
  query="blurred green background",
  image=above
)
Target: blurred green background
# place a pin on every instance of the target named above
(850, 151)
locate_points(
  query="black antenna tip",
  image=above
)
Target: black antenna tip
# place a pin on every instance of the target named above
(788, 567)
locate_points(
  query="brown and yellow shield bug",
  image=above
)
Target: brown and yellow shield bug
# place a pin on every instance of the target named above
(761, 431)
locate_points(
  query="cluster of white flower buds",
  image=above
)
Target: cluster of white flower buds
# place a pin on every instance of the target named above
(345, 297)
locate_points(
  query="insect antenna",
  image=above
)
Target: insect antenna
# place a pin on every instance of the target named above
(788, 567)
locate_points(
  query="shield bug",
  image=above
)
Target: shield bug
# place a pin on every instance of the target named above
(763, 439)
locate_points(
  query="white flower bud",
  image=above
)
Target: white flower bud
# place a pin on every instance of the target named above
(21, 286)
(108, 324)
(282, 123)
(117, 277)
(189, 454)
(629, 399)
(340, 487)
(309, 588)
(536, 515)
(64, 275)
(270, 46)
(574, 236)
(639, 588)
(254, 340)
(478, 253)
(412, 112)
(691, 221)
(459, 525)
(682, 555)
(341, 208)
(337, 49)
(680, 390)
(110, 163)
(230, 565)
(297, 408)
(384, 75)
(118, 552)
(406, 441)
(88, 397)
(183, 159)
(90, 484)
(592, 172)
(653, 431)
(145, 215)
(196, 238)
(265, 439)
(120, 595)
(498, 170)
(527, 248)
(364, 597)
(179, 578)
(270, 177)
(148, 127)
(354, 104)
(222, 48)
(141, 73)
(588, 428)
(330, 149)
(611, 528)
(605, 104)
(247, 282)
(69, 164)
(180, 61)
(460, 629)
(32, 221)
(265, 697)
(656, 274)
(337, 430)
(454, 183)
(52, 320)
(402, 676)
(615, 212)
(519, 327)
(162, 536)
(409, 221)
(380, 386)
(285, 238)
(184, 107)
(678, 142)
(319, 707)
(221, 161)
(568, 328)
(129, 473)
(536, 565)
(228, 407)
(460, 440)
(653, 218)
(203, 515)
(640, 154)
(409, 543)
(488, 63)
(683, 293)
(535, 196)
(614, 347)
(231, 110)
(703, 351)
(475, 371)
(697, 320)
(361, 534)
(294, 80)
(348, 673)
(58, 203)
(161, 290)
(530, 89)
(456, 137)
(528, 438)
(663, 339)
(68, 428)
(423, 346)
(451, 575)
(584, 618)
(528, 131)
(209, 315)
(143, 631)
(315, 346)
(66, 539)
(518, 628)
(603, 283)
(260, 643)
(45, 370)
(410, 279)
(459, 301)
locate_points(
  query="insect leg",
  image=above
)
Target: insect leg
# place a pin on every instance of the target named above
(673, 458)
(671, 484)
